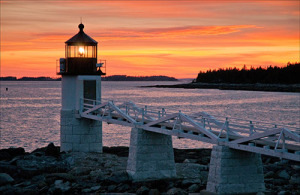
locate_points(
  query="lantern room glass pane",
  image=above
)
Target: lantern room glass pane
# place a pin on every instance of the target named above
(81, 51)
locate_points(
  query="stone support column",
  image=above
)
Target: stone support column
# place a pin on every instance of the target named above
(79, 134)
(151, 156)
(235, 172)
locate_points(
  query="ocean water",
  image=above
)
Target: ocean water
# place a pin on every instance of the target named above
(30, 111)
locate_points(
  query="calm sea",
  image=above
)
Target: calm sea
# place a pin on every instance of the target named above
(30, 111)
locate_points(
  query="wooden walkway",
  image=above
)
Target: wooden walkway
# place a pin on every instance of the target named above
(276, 141)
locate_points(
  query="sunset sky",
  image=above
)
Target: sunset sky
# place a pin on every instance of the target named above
(137, 38)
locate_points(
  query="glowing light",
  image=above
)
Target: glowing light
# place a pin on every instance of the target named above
(81, 51)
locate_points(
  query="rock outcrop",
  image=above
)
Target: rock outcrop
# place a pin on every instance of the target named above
(46, 171)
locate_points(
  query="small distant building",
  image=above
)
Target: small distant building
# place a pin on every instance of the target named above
(81, 82)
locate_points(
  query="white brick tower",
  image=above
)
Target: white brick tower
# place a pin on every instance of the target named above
(81, 83)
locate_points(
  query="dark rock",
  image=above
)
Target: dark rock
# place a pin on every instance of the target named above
(6, 189)
(192, 171)
(296, 167)
(63, 176)
(283, 174)
(111, 188)
(38, 178)
(61, 186)
(282, 193)
(5, 179)
(120, 177)
(26, 191)
(80, 171)
(15, 160)
(270, 174)
(92, 189)
(194, 188)
(88, 190)
(295, 180)
(97, 174)
(190, 161)
(282, 162)
(143, 190)
(28, 173)
(162, 184)
(123, 187)
(5, 167)
(201, 155)
(38, 153)
(280, 182)
(52, 150)
(176, 191)
(7, 154)
(32, 165)
(119, 151)
(32, 187)
(154, 192)
(95, 188)
(260, 193)
(101, 177)
(187, 182)
(23, 184)
(271, 167)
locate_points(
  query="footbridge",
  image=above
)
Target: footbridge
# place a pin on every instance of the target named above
(251, 136)
(235, 166)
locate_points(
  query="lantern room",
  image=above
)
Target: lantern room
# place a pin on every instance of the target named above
(81, 56)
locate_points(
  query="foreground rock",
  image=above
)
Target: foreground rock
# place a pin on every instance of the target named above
(46, 171)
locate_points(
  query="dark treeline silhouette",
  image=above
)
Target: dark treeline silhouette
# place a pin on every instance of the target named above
(10, 78)
(141, 78)
(271, 75)
(108, 78)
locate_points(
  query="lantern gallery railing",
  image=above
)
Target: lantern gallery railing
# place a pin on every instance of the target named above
(250, 136)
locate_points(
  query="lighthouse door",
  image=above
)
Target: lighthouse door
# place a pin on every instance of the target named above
(89, 90)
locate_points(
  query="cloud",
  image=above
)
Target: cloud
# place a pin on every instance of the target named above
(176, 38)
(171, 32)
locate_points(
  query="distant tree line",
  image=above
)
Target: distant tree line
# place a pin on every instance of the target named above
(108, 78)
(271, 75)
(29, 79)
(140, 78)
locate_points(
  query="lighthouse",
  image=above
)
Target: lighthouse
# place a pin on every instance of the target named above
(81, 83)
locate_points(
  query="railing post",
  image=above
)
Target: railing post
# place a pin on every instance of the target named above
(143, 115)
(158, 114)
(251, 128)
(283, 141)
(109, 110)
(163, 111)
(278, 141)
(227, 129)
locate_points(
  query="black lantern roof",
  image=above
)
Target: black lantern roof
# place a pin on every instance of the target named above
(81, 38)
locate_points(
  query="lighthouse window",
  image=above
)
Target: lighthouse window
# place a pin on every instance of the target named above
(89, 90)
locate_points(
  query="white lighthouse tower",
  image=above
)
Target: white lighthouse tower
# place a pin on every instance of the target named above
(81, 82)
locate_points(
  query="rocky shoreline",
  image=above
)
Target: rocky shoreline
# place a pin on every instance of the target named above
(47, 171)
(228, 86)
